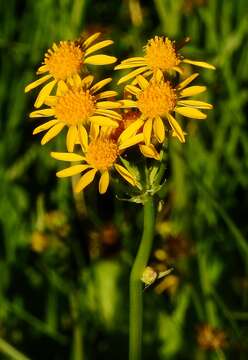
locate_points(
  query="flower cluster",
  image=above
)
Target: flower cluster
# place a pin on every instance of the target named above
(101, 128)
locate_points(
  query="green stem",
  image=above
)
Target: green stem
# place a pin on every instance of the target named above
(136, 304)
(9, 350)
(77, 349)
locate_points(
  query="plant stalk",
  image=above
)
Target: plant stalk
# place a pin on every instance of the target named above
(10, 351)
(77, 345)
(135, 285)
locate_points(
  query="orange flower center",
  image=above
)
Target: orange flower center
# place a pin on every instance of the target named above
(161, 54)
(64, 60)
(102, 153)
(75, 106)
(157, 99)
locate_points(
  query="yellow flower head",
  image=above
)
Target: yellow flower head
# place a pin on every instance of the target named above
(160, 54)
(67, 59)
(76, 105)
(64, 61)
(101, 154)
(157, 100)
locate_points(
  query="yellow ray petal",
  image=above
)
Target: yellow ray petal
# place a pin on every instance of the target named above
(147, 130)
(64, 156)
(202, 64)
(100, 60)
(106, 131)
(149, 151)
(132, 74)
(109, 113)
(158, 75)
(90, 40)
(103, 121)
(108, 104)
(98, 46)
(187, 81)
(143, 83)
(195, 103)
(174, 134)
(176, 127)
(136, 139)
(158, 128)
(128, 103)
(42, 69)
(72, 170)
(87, 80)
(45, 126)
(51, 100)
(146, 73)
(77, 81)
(36, 83)
(190, 112)
(69, 81)
(100, 84)
(106, 94)
(94, 130)
(44, 93)
(134, 59)
(71, 138)
(85, 180)
(178, 69)
(42, 113)
(129, 66)
(62, 88)
(104, 182)
(133, 90)
(130, 130)
(125, 174)
(83, 137)
(192, 90)
(55, 130)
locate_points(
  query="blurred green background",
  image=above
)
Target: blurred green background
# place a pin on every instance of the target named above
(65, 262)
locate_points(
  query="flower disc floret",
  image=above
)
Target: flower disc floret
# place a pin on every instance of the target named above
(102, 153)
(64, 60)
(157, 99)
(161, 54)
(75, 107)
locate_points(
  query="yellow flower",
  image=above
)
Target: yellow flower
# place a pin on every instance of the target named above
(160, 54)
(66, 60)
(128, 118)
(76, 105)
(157, 100)
(39, 242)
(101, 155)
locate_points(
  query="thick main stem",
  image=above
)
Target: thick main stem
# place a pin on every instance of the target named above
(77, 345)
(135, 285)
